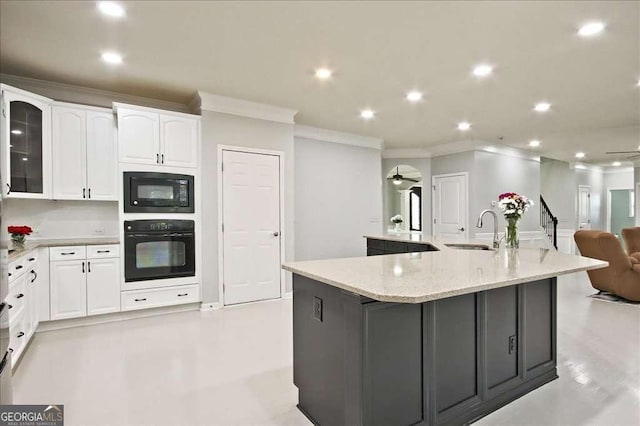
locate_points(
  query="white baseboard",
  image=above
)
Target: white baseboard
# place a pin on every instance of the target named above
(209, 306)
(114, 317)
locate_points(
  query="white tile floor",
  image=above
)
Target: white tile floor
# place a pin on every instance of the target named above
(234, 367)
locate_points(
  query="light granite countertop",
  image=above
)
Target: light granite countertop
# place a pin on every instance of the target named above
(59, 242)
(425, 276)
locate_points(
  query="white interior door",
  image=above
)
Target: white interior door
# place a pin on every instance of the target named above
(584, 207)
(251, 226)
(450, 206)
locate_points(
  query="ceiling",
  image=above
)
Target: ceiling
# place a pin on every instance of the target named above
(267, 52)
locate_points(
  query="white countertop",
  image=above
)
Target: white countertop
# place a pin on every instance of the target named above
(425, 276)
(59, 242)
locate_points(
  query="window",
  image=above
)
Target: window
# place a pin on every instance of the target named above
(415, 209)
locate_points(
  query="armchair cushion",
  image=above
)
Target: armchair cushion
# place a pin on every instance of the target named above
(632, 239)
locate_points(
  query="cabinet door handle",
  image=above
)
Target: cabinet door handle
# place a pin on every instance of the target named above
(183, 294)
(140, 300)
(10, 306)
(19, 267)
(68, 253)
(84, 190)
(20, 296)
(83, 267)
(31, 259)
(8, 189)
(21, 334)
(89, 192)
(157, 158)
(162, 157)
(89, 266)
(35, 276)
(104, 251)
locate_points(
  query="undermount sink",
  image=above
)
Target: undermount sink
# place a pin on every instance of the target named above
(468, 246)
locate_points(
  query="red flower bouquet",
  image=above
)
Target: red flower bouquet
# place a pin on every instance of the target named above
(18, 234)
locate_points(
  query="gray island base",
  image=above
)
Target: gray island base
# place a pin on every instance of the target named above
(468, 334)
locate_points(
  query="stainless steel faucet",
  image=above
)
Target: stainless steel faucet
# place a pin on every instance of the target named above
(496, 242)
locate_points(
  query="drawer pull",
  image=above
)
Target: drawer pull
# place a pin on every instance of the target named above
(182, 294)
(9, 274)
(20, 334)
(67, 254)
(20, 296)
(19, 267)
(31, 259)
(140, 300)
(104, 251)
(10, 306)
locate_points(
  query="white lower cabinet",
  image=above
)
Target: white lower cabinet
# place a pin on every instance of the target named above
(22, 300)
(68, 289)
(156, 297)
(87, 285)
(103, 286)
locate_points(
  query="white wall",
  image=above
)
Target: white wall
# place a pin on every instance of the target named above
(337, 198)
(226, 129)
(621, 178)
(559, 188)
(423, 165)
(495, 174)
(63, 219)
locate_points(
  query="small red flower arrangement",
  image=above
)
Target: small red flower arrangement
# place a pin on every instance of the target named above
(18, 234)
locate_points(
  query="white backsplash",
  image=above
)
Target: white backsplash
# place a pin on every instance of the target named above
(63, 219)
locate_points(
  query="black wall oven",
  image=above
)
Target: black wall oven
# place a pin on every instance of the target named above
(150, 192)
(159, 249)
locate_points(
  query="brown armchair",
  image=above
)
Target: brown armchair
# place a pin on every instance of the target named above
(622, 276)
(632, 241)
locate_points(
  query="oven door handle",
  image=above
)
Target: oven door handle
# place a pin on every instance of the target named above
(180, 234)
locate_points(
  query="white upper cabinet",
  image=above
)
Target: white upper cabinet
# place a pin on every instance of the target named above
(84, 153)
(102, 156)
(138, 136)
(69, 153)
(148, 136)
(25, 144)
(178, 141)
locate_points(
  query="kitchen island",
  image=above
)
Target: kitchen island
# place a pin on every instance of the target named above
(440, 335)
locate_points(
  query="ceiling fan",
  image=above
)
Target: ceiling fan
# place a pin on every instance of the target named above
(398, 178)
(636, 153)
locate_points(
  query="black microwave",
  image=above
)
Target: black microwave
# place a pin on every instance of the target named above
(150, 192)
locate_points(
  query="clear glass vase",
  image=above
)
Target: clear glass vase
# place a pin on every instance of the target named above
(511, 234)
(18, 241)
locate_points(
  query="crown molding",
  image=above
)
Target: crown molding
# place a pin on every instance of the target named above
(209, 102)
(406, 153)
(86, 95)
(613, 170)
(576, 165)
(326, 135)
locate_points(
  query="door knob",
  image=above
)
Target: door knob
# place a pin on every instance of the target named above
(461, 229)
(275, 234)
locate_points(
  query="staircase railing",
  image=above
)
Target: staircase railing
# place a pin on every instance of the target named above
(548, 222)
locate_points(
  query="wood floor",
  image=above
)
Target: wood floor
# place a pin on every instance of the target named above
(234, 367)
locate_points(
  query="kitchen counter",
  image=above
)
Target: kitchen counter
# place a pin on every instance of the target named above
(58, 242)
(428, 335)
(421, 277)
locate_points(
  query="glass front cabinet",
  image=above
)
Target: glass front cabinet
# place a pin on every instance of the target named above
(26, 144)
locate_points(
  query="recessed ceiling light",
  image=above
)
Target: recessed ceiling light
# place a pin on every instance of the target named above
(591, 28)
(414, 96)
(534, 143)
(112, 58)
(25, 159)
(580, 154)
(111, 8)
(323, 73)
(16, 132)
(464, 126)
(542, 107)
(615, 163)
(482, 70)
(367, 114)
